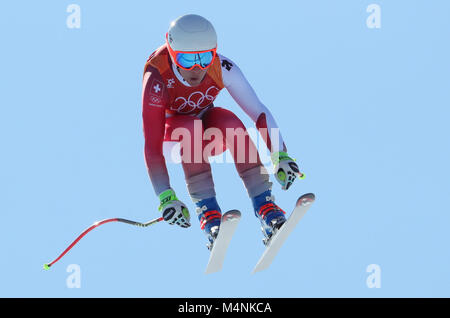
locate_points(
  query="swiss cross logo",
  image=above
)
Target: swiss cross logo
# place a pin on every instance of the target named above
(157, 87)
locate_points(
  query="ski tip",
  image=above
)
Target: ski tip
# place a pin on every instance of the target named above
(208, 272)
(232, 214)
(306, 199)
(211, 268)
(46, 267)
(258, 268)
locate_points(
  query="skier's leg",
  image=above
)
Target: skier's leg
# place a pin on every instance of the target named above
(197, 170)
(249, 167)
(201, 189)
(242, 148)
(188, 130)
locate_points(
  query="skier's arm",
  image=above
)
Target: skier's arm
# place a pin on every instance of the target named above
(153, 114)
(244, 95)
(285, 168)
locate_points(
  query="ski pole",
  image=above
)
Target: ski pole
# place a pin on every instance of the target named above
(97, 224)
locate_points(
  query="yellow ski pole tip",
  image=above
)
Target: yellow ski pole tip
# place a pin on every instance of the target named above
(46, 267)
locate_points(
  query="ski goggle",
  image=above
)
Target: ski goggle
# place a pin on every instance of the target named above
(189, 60)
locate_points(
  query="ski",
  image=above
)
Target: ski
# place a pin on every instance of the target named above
(228, 225)
(280, 236)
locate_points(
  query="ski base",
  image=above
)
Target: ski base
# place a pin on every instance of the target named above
(227, 228)
(277, 240)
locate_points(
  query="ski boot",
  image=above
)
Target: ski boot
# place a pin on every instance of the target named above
(271, 216)
(209, 215)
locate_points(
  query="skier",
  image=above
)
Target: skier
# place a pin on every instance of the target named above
(181, 80)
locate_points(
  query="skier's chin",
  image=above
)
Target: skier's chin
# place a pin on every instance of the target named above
(195, 81)
(194, 77)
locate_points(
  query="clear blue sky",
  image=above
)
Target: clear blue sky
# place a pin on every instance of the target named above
(364, 111)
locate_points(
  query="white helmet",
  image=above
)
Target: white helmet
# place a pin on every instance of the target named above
(191, 32)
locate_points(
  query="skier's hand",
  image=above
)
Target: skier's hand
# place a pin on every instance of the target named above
(286, 170)
(173, 210)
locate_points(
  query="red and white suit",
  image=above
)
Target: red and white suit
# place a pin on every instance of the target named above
(169, 102)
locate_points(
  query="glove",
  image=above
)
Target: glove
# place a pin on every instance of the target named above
(286, 170)
(173, 210)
